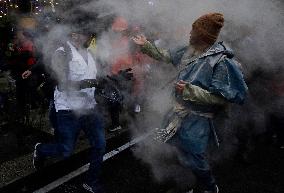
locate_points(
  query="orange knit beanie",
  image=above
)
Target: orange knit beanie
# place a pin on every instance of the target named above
(208, 27)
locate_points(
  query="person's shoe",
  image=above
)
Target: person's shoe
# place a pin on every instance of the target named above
(215, 191)
(38, 162)
(172, 190)
(177, 190)
(112, 129)
(137, 108)
(88, 188)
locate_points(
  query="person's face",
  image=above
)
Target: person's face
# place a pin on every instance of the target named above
(20, 36)
(193, 37)
(80, 39)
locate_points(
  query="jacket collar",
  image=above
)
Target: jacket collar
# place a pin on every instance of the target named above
(218, 48)
(215, 49)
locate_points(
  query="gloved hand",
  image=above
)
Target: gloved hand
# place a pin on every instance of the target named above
(127, 74)
(107, 92)
(101, 83)
(86, 83)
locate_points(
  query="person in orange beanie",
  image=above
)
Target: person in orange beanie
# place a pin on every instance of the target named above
(208, 79)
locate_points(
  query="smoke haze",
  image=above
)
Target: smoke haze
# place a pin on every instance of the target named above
(253, 28)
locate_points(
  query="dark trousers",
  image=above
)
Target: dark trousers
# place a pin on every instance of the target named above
(276, 123)
(114, 110)
(192, 140)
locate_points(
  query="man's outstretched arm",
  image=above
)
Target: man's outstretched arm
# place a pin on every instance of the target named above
(151, 50)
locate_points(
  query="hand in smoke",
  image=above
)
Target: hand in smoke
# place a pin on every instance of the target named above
(123, 75)
(139, 40)
(26, 74)
(180, 86)
(127, 74)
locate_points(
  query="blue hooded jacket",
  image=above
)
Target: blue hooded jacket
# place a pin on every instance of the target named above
(215, 71)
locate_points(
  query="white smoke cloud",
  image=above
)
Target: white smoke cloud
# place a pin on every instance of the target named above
(254, 29)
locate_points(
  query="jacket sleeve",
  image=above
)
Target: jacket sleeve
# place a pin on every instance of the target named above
(228, 81)
(59, 67)
(201, 96)
(39, 66)
(35, 68)
(156, 53)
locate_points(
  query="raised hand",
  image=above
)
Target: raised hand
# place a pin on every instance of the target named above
(180, 86)
(139, 40)
(26, 74)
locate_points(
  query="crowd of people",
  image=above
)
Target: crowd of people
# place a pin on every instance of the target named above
(208, 80)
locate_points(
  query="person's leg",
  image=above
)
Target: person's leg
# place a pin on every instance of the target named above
(194, 136)
(279, 130)
(52, 118)
(20, 114)
(93, 126)
(114, 110)
(67, 132)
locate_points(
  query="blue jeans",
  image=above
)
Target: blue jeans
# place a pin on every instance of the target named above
(68, 129)
(192, 139)
(52, 115)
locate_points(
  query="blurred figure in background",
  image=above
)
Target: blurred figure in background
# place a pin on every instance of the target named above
(127, 55)
(21, 57)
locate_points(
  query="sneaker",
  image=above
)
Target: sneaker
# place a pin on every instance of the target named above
(137, 108)
(38, 162)
(176, 190)
(172, 190)
(215, 191)
(112, 129)
(88, 188)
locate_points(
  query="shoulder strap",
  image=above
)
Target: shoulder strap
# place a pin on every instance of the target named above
(65, 48)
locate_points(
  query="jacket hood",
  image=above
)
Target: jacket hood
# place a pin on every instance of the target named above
(219, 48)
(216, 51)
